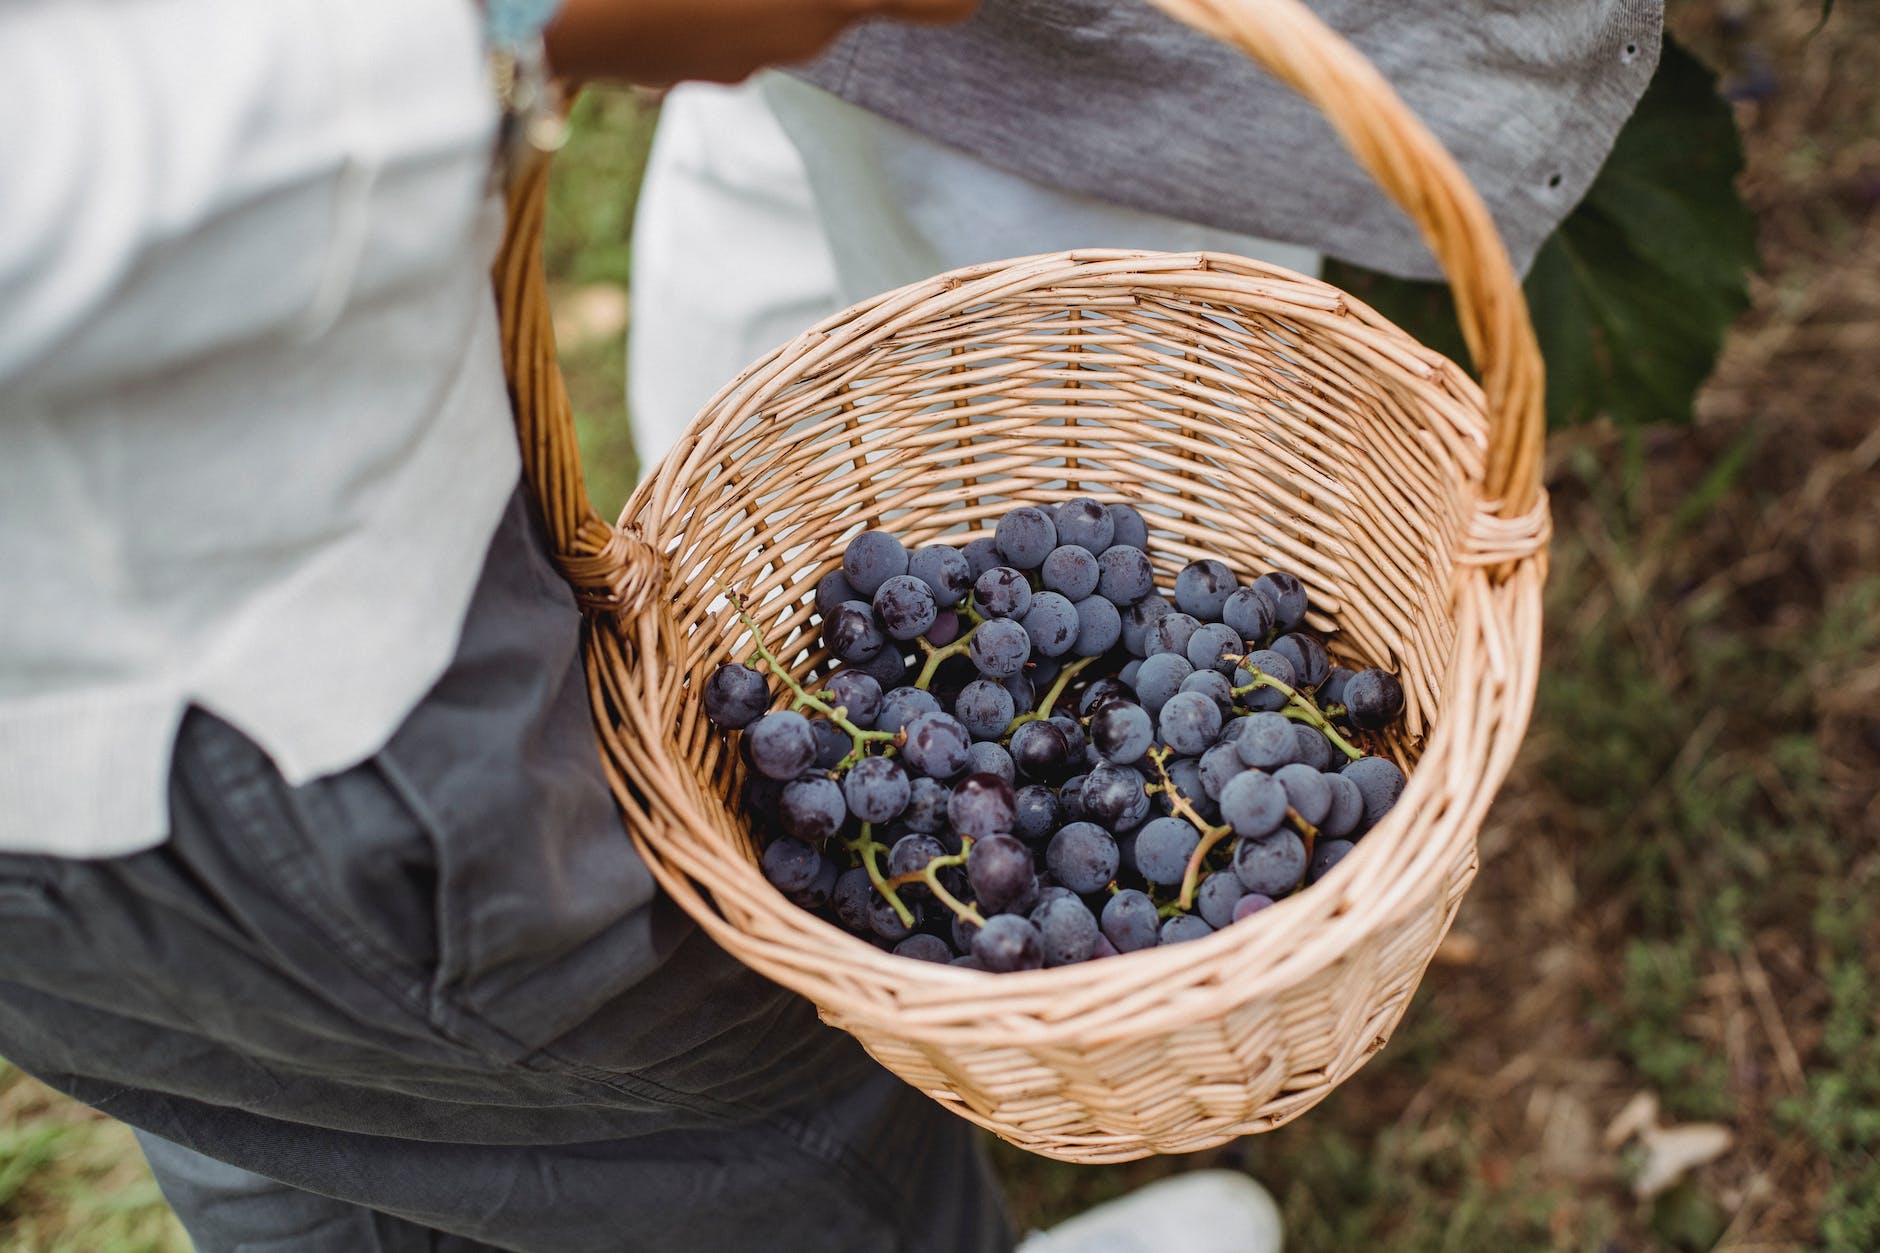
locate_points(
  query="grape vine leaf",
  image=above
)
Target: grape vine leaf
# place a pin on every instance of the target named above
(1631, 296)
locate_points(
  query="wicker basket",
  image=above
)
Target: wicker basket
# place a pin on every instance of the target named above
(1251, 414)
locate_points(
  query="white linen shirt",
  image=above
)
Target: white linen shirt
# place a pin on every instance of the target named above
(254, 436)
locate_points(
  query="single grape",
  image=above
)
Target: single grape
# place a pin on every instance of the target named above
(871, 559)
(1052, 624)
(1126, 853)
(1068, 932)
(911, 853)
(1099, 627)
(858, 695)
(1163, 848)
(985, 708)
(1127, 675)
(1025, 537)
(1124, 575)
(1288, 595)
(884, 922)
(1217, 896)
(1250, 612)
(1130, 921)
(832, 590)
(1113, 797)
(902, 705)
(924, 947)
(1138, 618)
(1332, 691)
(1314, 749)
(1271, 864)
(1130, 530)
(1271, 664)
(1309, 660)
(1002, 592)
(1122, 732)
(1024, 692)
(1249, 905)
(926, 810)
(1085, 523)
(1189, 723)
(735, 696)
(1160, 678)
(945, 572)
(832, 743)
(1103, 948)
(817, 895)
(937, 745)
(1253, 803)
(1083, 857)
(1373, 699)
(1038, 813)
(1007, 943)
(962, 932)
(966, 961)
(981, 555)
(1039, 750)
(1000, 869)
(1347, 809)
(781, 744)
(853, 634)
(876, 788)
(1071, 571)
(1184, 775)
(854, 891)
(999, 648)
(1071, 798)
(1328, 854)
(1170, 633)
(1219, 765)
(1202, 588)
(1046, 894)
(1102, 692)
(1074, 739)
(1306, 791)
(1213, 685)
(791, 865)
(1184, 927)
(987, 757)
(945, 629)
(888, 668)
(1211, 644)
(1268, 742)
(982, 805)
(906, 607)
(812, 808)
(1378, 778)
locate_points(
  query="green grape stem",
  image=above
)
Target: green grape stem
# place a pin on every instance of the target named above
(937, 655)
(1051, 697)
(803, 698)
(870, 848)
(1211, 835)
(929, 874)
(1300, 707)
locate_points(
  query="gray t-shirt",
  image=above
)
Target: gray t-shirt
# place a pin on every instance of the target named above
(1113, 99)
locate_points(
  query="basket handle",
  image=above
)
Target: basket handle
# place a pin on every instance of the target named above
(1397, 150)
(611, 569)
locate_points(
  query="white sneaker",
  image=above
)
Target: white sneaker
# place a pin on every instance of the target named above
(1206, 1211)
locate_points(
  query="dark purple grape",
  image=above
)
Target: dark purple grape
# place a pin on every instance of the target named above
(1161, 677)
(1068, 931)
(1052, 623)
(876, 788)
(1007, 943)
(853, 634)
(1130, 530)
(1024, 692)
(1213, 642)
(1272, 864)
(1103, 692)
(1267, 741)
(1122, 732)
(1306, 791)
(1213, 685)
(1099, 627)
(1253, 803)
(1039, 751)
(986, 757)
(1373, 699)
(1002, 592)
(1074, 739)
(905, 606)
(1309, 660)
(1347, 809)
(1217, 896)
(1113, 797)
(1189, 723)
(911, 853)
(1249, 905)
(735, 696)
(966, 961)
(1332, 691)
(1288, 595)
(832, 590)
(1083, 857)
(1378, 778)
(945, 628)
(1203, 587)
(791, 865)
(1185, 927)
(985, 708)
(812, 808)
(937, 745)
(1071, 798)
(1327, 854)
(1124, 575)
(1170, 633)
(981, 555)
(1184, 775)
(1025, 537)
(1314, 749)
(1000, 869)
(902, 705)
(857, 694)
(888, 668)
(1138, 618)
(999, 648)
(1163, 848)
(1250, 612)
(962, 932)
(1070, 571)
(871, 559)
(854, 891)
(1271, 664)
(1127, 675)
(887, 924)
(1086, 523)
(982, 805)
(923, 947)
(817, 895)
(926, 810)
(1037, 813)
(945, 572)
(1130, 921)
(1103, 948)
(781, 744)
(832, 743)
(1219, 765)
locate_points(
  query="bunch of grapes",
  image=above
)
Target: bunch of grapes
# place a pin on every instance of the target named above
(1028, 756)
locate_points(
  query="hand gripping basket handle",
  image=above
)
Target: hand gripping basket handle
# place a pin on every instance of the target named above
(1416, 171)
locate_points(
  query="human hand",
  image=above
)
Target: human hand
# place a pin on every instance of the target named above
(658, 42)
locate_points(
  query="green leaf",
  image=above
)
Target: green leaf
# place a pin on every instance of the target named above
(1632, 295)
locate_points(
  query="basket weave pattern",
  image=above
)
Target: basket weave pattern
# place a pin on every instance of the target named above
(1250, 414)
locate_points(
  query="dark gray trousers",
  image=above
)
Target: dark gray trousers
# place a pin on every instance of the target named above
(436, 1002)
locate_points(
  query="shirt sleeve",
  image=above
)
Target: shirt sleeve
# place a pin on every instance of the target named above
(247, 139)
